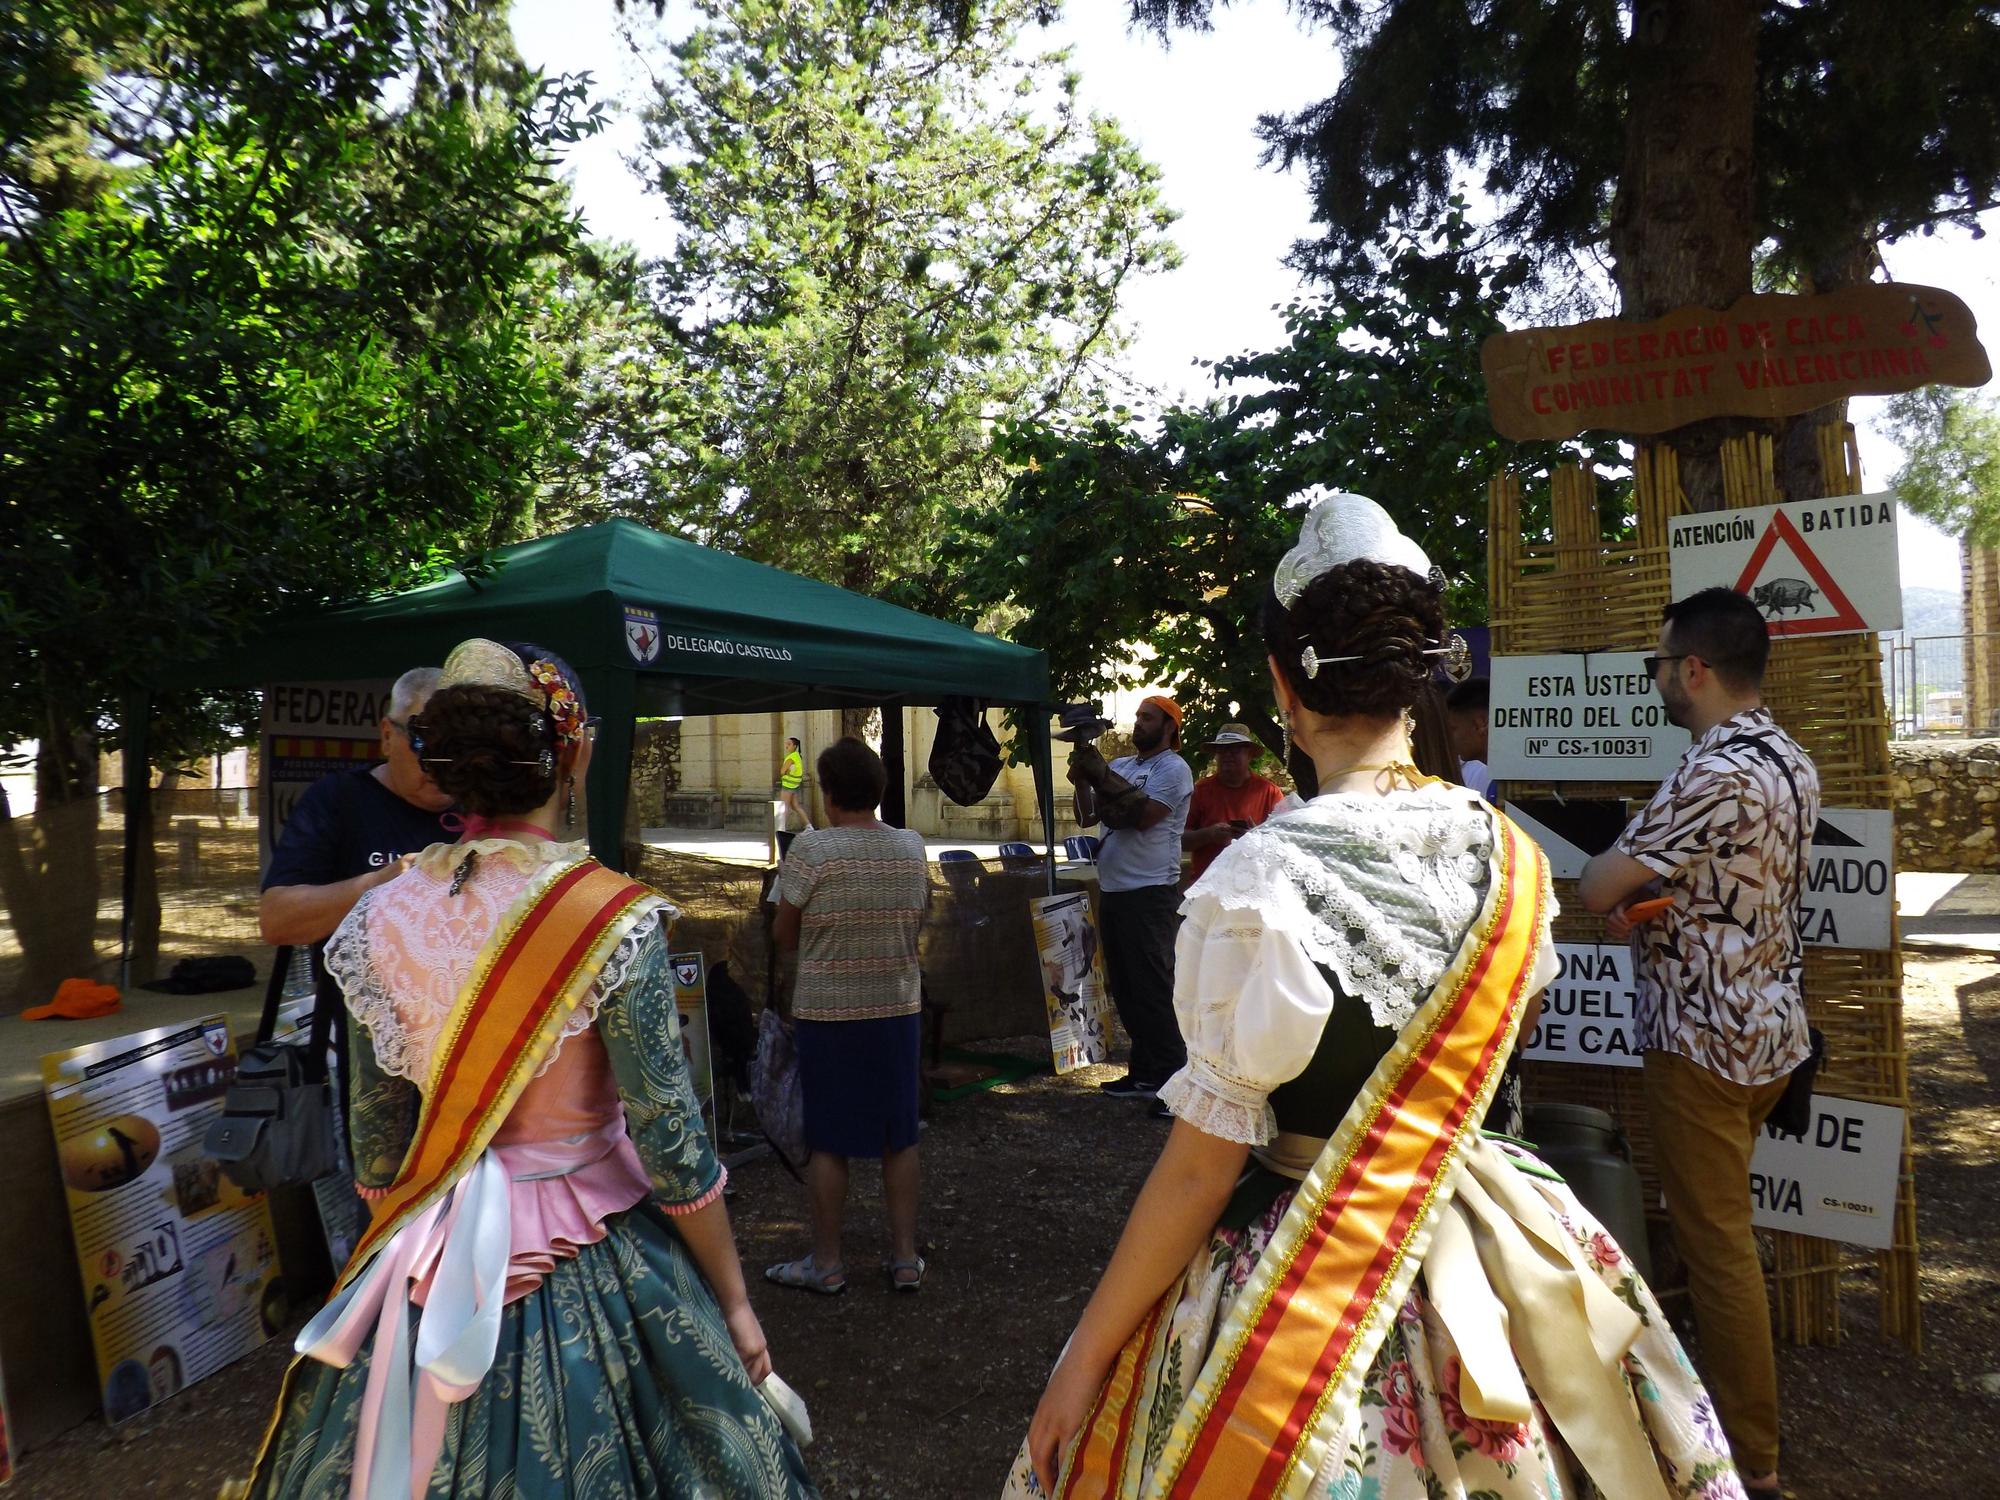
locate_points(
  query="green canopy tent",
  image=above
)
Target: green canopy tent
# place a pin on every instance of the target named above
(655, 626)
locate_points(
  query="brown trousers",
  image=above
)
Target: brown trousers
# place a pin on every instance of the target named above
(1705, 1127)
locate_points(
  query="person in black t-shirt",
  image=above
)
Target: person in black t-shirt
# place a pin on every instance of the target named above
(354, 829)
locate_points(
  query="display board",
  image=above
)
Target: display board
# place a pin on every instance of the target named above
(1073, 986)
(179, 1265)
(309, 730)
(1593, 716)
(1812, 567)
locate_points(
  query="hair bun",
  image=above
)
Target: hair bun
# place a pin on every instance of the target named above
(489, 748)
(1368, 630)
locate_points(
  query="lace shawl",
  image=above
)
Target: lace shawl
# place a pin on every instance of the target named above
(1378, 890)
(406, 951)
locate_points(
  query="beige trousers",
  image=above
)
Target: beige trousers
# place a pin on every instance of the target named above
(1705, 1127)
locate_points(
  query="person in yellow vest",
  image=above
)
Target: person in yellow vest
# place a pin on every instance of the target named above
(1332, 1282)
(791, 786)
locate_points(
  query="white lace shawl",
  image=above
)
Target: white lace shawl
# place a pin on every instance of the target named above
(1378, 890)
(405, 952)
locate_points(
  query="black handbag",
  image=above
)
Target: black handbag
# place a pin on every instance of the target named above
(965, 756)
(278, 1122)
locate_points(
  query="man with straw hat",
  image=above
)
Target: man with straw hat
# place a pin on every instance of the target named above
(1229, 802)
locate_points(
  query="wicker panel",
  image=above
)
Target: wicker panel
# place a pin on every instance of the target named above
(1584, 592)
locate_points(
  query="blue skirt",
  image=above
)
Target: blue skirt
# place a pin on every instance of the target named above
(860, 1080)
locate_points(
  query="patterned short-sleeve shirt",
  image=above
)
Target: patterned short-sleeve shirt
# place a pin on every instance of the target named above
(861, 894)
(1718, 975)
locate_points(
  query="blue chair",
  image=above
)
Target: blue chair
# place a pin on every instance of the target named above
(1019, 851)
(955, 856)
(1082, 847)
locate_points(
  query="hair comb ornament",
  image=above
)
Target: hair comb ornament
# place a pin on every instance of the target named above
(1343, 527)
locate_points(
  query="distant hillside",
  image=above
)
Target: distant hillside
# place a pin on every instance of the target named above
(1928, 611)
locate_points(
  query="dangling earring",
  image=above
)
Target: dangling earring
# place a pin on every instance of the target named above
(1286, 730)
(569, 803)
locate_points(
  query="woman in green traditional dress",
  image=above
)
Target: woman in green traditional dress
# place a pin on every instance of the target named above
(1332, 1285)
(548, 1300)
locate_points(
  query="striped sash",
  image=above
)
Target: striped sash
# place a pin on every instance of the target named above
(526, 983)
(1296, 1345)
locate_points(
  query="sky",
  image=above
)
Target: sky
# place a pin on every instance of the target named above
(1192, 107)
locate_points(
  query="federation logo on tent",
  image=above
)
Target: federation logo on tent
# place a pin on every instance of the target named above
(642, 634)
(687, 972)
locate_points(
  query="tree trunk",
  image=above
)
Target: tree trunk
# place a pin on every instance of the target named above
(49, 865)
(146, 887)
(1681, 224)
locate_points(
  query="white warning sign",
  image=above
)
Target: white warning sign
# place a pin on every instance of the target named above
(1588, 717)
(1812, 567)
(1590, 1010)
(1850, 892)
(1838, 1180)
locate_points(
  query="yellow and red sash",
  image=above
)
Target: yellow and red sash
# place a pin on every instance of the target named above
(1296, 1344)
(526, 983)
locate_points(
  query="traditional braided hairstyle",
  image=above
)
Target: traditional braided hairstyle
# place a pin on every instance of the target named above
(496, 746)
(1389, 619)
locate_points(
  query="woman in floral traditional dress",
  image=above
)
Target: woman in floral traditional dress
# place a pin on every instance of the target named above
(548, 1301)
(1332, 1284)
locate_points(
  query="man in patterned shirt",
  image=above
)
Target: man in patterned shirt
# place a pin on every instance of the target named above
(1721, 1016)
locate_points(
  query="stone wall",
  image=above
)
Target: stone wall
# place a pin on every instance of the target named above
(1947, 799)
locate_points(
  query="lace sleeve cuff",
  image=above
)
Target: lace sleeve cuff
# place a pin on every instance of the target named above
(1214, 1108)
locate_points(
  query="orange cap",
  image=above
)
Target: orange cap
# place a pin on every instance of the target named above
(77, 1000)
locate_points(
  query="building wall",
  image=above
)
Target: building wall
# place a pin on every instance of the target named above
(1947, 799)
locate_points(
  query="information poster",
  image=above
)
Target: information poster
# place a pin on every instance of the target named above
(179, 1266)
(1588, 717)
(310, 730)
(691, 1001)
(1073, 987)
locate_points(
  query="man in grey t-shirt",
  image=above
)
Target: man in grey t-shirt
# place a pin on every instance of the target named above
(1138, 881)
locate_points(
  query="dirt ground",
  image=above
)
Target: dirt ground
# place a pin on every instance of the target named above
(1025, 1190)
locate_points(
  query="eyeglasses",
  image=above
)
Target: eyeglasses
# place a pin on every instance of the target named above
(590, 726)
(1652, 663)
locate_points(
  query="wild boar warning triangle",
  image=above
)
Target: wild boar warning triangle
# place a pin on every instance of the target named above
(1783, 592)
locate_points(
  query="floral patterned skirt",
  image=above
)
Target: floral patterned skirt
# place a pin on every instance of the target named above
(1408, 1437)
(614, 1378)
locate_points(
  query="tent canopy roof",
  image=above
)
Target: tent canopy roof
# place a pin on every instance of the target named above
(703, 631)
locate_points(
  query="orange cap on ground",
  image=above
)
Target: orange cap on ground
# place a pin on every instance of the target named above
(77, 1000)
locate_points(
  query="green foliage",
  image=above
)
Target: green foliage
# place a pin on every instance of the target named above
(1951, 460)
(894, 233)
(268, 287)
(1166, 536)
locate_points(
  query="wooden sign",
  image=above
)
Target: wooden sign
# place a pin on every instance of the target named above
(1812, 567)
(1771, 355)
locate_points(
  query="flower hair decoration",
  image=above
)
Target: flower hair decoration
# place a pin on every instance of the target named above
(564, 706)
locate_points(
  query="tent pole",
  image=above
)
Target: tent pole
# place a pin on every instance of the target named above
(895, 809)
(1040, 753)
(611, 695)
(138, 801)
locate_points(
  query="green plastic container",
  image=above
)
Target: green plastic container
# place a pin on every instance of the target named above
(1590, 1151)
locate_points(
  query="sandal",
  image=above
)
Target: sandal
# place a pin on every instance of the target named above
(912, 1282)
(805, 1275)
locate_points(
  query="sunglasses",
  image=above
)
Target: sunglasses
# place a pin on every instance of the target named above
(1652, 663)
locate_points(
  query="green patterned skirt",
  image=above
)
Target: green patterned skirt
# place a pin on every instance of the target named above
(614, 1378)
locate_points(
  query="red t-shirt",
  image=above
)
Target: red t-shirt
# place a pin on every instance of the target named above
(1214, 803)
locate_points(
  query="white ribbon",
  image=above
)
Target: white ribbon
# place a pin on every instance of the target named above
(466, 1236)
